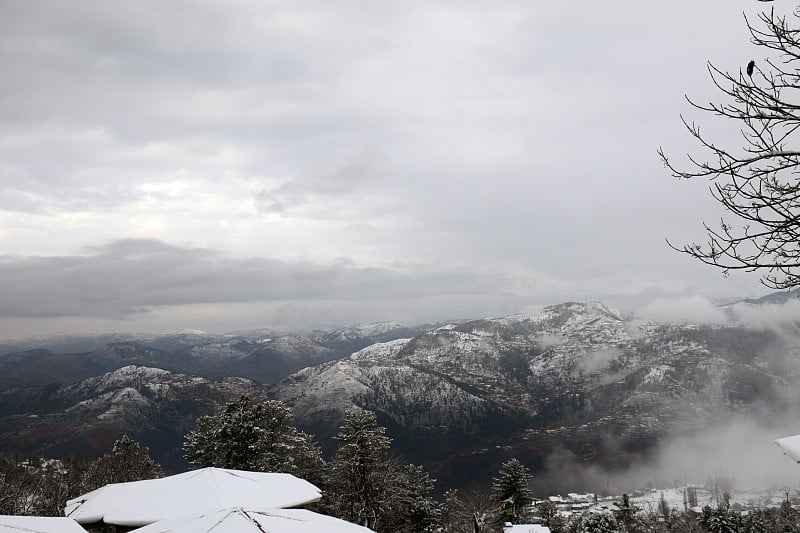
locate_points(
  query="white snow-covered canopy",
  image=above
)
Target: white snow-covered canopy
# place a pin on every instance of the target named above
(526, 528)
(790, 446)
(239, 520)
(38, 524)
(139, 503)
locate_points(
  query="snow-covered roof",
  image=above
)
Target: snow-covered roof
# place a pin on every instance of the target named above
(526, 528)
(139, 503)
(790, 446)
(38, 524)
(239, 520)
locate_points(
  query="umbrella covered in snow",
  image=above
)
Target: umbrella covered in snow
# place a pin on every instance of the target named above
(239, 520)
(526, 528)
(139, 503)
(38, 524)
(790, 446)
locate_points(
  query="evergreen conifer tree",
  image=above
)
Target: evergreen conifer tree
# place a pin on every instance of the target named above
(600, 523)
(361, 472)
(256, 436)
(127, 461)
(510, 490)
(412, 510)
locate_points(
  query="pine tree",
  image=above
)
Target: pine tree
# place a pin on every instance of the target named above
(663, 506)
(412, 510)
(361, 473)
(256, 436)
(627, 514)
(691, 494)
(510, 490)
(548, 515)
(600, 523)
(788, 517)
(127, 461)
(720, 520)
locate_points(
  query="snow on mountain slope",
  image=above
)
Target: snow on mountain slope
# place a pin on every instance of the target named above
(575, 376)
(579, 378)
(152, 405)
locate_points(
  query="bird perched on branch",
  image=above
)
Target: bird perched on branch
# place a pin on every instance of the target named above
(752, 64)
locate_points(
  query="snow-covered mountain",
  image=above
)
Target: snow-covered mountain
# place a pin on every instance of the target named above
(42, 367)
(579, 377)
(264, 355)
(154, 406)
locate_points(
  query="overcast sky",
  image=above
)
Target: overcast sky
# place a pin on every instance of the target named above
(222, 165)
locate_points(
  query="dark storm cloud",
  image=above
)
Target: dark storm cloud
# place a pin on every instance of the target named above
(133, 276)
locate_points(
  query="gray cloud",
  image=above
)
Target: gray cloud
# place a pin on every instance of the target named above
(466, 137)
(353, 177)
(130, 276)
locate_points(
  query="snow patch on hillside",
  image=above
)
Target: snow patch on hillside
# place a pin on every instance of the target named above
(381, 350)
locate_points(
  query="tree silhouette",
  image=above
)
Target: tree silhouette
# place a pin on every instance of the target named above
(756, 182)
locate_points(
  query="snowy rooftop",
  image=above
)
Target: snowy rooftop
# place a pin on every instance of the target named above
(238, 520)
(790, 446)
(139, 503)
(38, 524)
(526, 528)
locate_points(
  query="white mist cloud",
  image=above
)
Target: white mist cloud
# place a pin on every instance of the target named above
(742, 451)
(691, 309)
(774, 317)
(598, 360)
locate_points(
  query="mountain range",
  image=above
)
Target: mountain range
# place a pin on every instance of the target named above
(576, 379)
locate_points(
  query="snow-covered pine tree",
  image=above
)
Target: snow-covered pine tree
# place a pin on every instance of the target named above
(127, 461)
(412, 510)
(788, 517)
(549, 516)
(257, 436)
(691, 495)
(362, 472)
(600, 523)
(720, 520)
(663, 506)
(510, 490)
(628, 515)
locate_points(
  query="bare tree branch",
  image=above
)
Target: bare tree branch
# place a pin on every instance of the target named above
(758, 182)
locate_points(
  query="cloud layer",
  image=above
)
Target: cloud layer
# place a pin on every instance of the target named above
(479, 143)
(130, 278)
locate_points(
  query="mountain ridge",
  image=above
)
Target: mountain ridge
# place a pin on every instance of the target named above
(577, 379)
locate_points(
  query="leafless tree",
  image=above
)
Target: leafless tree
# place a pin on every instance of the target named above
(469, 511)
(757, 182)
